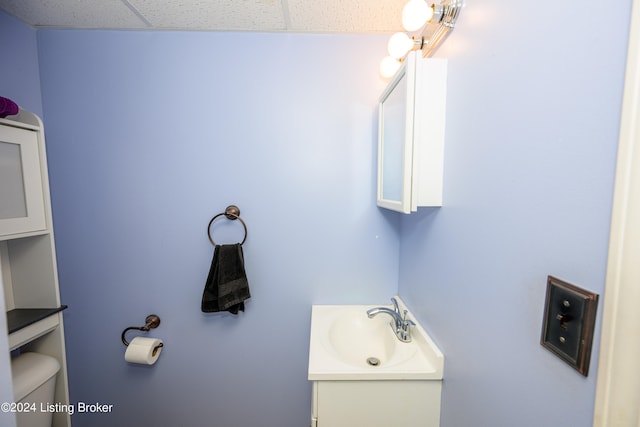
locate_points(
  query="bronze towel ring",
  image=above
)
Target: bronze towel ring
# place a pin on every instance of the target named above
(232, 212)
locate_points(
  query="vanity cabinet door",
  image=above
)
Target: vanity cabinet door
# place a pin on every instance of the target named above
(385, 403)
(21, 196)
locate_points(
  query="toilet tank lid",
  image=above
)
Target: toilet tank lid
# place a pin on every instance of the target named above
(29, 371)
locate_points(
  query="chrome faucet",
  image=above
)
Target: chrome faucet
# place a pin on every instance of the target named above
(400, 324)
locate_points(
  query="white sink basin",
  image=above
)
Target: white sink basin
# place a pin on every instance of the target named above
(347, 345)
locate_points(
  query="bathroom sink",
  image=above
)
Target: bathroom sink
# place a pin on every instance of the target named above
(345, 344)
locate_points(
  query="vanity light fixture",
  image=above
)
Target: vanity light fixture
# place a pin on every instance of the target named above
(416, 13)
(427, 26)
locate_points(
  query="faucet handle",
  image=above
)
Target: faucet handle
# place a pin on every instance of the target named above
(407, 322)
(405, 332)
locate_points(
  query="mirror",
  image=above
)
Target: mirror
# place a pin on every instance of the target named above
(411, 135)
(395, 139)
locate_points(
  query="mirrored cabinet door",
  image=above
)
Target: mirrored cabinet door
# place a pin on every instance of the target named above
(411, 135)
(21, 197)
(395, 135)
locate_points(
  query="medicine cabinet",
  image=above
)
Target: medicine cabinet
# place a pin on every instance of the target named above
(411, 135)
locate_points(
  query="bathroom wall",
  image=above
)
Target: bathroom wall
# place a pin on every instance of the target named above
(20, 82)
(533, 107)
(19, 75)
(150, 135)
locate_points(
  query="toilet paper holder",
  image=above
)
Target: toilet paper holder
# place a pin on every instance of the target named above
(152, 321)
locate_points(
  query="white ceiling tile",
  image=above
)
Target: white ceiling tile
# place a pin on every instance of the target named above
(73, 13)
(324, 16)
(248, 15)
(353, 16)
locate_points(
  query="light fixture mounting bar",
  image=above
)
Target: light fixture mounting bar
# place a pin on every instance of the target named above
(435, 33)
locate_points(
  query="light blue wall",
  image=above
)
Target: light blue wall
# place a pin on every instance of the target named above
(20, 82)
(19, 75)
(151, 134)
(533, 107)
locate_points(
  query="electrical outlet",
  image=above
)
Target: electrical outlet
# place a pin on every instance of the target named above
(569, 321)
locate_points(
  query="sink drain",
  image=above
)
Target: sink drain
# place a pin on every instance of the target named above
(373, 361)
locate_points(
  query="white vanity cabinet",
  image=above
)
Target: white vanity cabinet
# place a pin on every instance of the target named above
(411, 135)
(28, 271)
(363, 375)
(406, 403)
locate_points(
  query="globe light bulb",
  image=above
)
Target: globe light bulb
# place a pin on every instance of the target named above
(415, 14)
(389, 66)
(399, 44)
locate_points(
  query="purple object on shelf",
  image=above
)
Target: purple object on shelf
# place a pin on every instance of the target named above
(8, 107)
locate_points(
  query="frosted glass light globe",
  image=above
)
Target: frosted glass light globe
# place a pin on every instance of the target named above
(415, 14)
(399, 44)
(389, 66)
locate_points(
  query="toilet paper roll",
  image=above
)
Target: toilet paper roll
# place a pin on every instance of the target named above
(141, 350)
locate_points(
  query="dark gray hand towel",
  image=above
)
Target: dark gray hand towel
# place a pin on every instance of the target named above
(227, 287)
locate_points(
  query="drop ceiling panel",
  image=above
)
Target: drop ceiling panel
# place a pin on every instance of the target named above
(353, 16)
(74, 13)
(324, 16)
(248, 15)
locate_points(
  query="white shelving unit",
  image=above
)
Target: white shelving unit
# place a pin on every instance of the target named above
(29, 276)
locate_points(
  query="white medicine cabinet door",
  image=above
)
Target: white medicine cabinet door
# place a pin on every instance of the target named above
(395, 140)
(411, 126)
(21, 196)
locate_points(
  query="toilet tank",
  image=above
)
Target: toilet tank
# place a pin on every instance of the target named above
(34, 382)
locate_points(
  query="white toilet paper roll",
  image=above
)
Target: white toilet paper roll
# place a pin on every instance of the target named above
(141, 350)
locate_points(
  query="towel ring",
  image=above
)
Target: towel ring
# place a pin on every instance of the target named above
(232, 212)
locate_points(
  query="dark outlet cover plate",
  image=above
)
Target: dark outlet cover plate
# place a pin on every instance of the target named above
(568, 324)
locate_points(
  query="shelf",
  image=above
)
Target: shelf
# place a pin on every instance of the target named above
(27, 324)
(22, 317)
